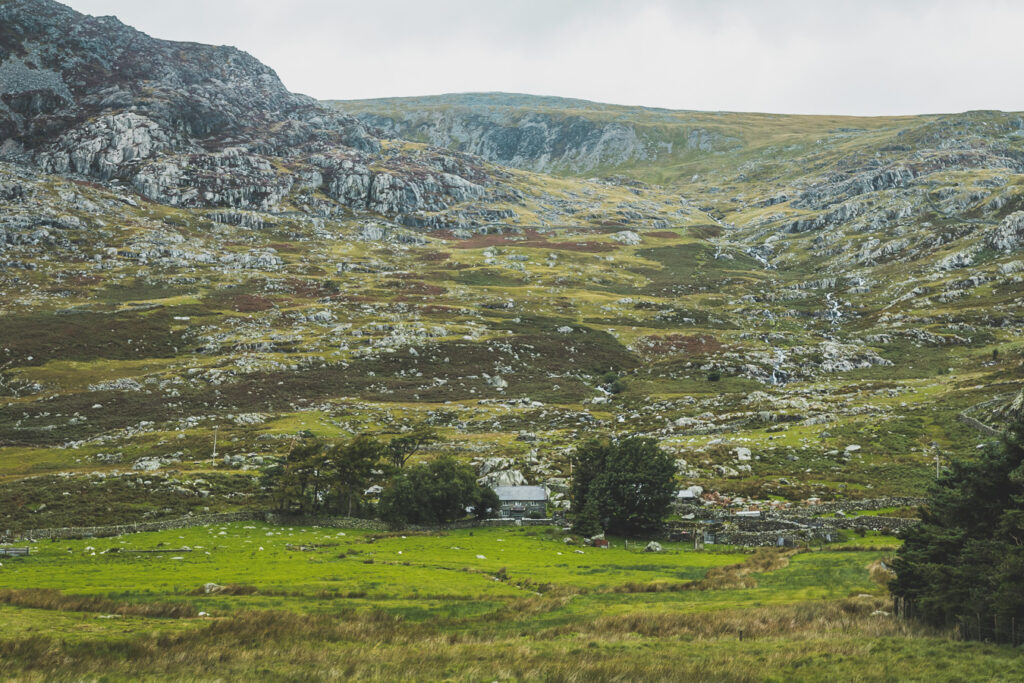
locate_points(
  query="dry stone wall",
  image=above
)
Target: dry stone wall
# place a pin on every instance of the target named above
(119, 529)
(249, 516)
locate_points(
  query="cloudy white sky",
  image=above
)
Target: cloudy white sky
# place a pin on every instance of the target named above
(787, 56)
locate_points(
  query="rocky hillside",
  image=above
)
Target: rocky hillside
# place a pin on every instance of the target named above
(200, 126)
(794, 306)
(534, 133)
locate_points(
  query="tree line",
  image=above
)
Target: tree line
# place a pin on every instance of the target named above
(623, 486)
(317, 477)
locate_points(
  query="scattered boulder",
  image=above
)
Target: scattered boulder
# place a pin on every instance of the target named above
(147, 464)
(627, 237)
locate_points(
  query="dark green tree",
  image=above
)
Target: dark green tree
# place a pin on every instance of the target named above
(629, 483)
(613, 383)
(297, 482)
(316, 477)
(487, 503)
(349, 470)
(963, 565)
(403, 447)
(437, 492)
(587, 522)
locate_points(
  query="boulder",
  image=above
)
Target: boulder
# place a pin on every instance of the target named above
(653, 547)
(147, 464)
(627, 237)
(503, 478)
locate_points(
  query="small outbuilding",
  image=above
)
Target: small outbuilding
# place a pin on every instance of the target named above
(522, 501)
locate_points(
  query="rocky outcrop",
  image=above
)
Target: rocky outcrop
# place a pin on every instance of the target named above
(105, 146)
(527, 140)
(229, 178)
(532, 133)
(841, 187)
(1009, 235)
(195, 125)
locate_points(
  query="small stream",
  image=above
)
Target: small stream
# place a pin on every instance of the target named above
(835, 311)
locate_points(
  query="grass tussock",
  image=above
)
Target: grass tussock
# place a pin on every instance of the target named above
(739, 575)
(880, 573)
(652, 587)
(802, 620)
(49, 599)
(378, 646)
(717, 578)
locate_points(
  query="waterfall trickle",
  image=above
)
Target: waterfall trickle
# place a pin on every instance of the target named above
(835, 311)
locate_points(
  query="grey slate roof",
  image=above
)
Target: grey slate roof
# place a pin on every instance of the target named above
(521, 492)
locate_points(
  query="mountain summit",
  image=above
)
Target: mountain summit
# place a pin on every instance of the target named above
(195, 125)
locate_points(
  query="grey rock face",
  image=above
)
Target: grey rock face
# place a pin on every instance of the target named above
(533, 141)
(229, 178)
(101, 148)
(833, 191)
(1009, 235)
(194, 125)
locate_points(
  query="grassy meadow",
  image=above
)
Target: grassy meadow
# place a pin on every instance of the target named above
(250, 600)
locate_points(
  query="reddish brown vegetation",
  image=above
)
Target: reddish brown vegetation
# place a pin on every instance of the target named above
(669, 344)
(706, 231)
(533, 240)
(82, 280)
(433, 256)
(250, 303)
(286, 247)
(307, 289)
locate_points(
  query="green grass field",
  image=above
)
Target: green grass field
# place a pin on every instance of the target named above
(300, 603)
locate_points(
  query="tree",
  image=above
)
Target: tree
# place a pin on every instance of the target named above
(587, 522)
(350, 469)
(403, 447)
(429, 493)
(296, 481)
(627, 485)
(963, 565)
(317, 477)
(487, 503)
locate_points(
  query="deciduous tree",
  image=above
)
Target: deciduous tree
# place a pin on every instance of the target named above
(627, 483)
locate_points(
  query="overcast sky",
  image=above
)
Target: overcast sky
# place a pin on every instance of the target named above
(787, 56)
